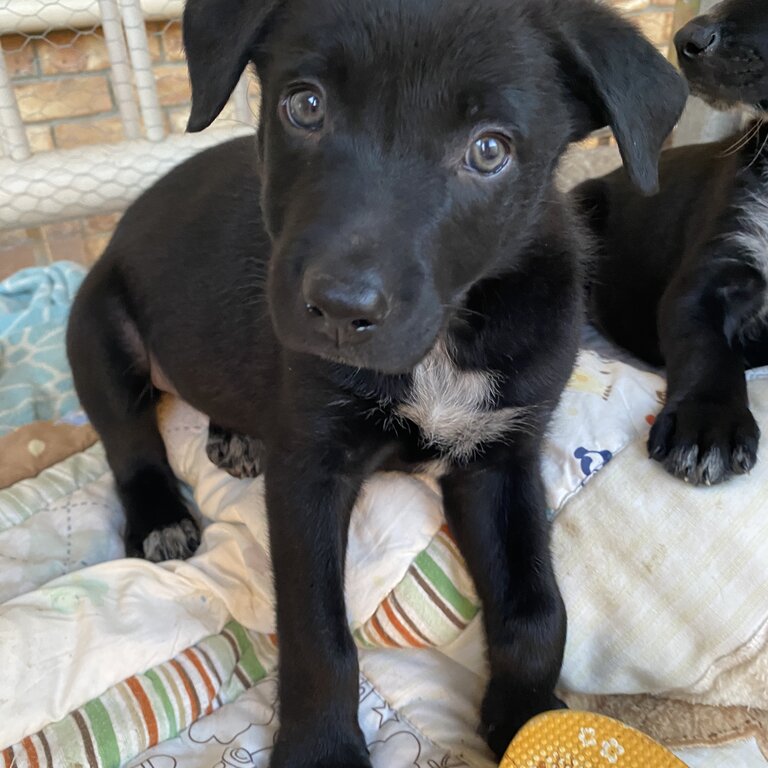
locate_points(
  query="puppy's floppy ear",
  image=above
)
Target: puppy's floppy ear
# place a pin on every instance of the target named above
(220, 38)
(617, 78)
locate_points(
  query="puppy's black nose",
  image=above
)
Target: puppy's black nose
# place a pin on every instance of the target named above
(697, 38)
(345, 310)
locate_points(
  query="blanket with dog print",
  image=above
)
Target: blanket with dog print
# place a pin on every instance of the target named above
(110, 662)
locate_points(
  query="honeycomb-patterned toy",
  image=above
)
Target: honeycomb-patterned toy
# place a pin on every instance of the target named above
(567, 739)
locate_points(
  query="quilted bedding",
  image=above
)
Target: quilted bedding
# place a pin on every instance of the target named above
(111, 662)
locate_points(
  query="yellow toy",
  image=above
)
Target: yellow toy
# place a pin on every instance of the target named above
(568, 739)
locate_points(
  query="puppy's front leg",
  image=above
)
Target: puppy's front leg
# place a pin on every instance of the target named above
(497, 512)
(706, 432)
(310, 495)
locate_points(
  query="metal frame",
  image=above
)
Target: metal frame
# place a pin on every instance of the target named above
(14, 137)
(68, 184)
(34, 16)
(43, 187)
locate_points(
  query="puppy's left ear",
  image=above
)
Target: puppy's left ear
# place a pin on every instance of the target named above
(617, 78)
(220, 38)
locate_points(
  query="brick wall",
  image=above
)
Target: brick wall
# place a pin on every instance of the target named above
(62, 85)
(61, 80)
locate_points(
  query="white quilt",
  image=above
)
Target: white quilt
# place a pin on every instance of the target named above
(665, 585)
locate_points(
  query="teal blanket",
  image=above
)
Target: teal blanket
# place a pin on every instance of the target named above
(35, 380)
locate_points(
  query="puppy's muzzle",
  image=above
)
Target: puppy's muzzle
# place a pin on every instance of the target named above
(700, 37)
(347, 310)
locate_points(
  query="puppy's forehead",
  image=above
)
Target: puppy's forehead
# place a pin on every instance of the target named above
(745, 24)
(449, 45)
(744, 12)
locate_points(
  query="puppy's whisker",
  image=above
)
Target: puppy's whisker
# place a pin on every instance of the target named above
(253, 285)
(745, 139)
(759, 152)
(742, 141)
(231, 122)
(464, 310)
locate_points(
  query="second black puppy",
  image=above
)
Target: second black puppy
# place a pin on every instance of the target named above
(681, 277)
(386, 276)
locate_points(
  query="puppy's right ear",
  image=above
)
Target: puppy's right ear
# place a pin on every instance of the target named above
(616, 78)
(220, 38)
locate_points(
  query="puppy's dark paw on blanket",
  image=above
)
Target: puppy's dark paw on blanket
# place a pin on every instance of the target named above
(503, 715)
(239, 455)
(159, 525)
(312, 752)
(176, 541)
(704, 443)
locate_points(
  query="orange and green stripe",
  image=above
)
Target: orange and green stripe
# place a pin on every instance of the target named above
(431, 606)
(145, 709)
(433, 603)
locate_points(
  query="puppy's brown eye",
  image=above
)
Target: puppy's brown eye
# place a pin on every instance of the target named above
(489, 154)
(305, 108)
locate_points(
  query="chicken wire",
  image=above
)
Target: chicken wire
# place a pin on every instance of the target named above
(94, 98)
(93, 104)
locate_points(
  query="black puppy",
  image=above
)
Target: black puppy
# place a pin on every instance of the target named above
(681, 277)
(386, 276)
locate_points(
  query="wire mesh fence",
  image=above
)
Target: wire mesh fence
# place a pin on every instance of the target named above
(84, 72)
(94, 98)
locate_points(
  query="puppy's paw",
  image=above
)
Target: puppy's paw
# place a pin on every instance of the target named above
(175, 541)
(704, 443)
(239, 455)
(331, 762)
(311, 753)
(505, 712)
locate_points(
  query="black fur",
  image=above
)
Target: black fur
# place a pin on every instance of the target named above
(675, 282)
(205, 286)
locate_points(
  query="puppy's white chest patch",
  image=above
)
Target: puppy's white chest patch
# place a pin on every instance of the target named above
(454, 408)
(753, 236)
